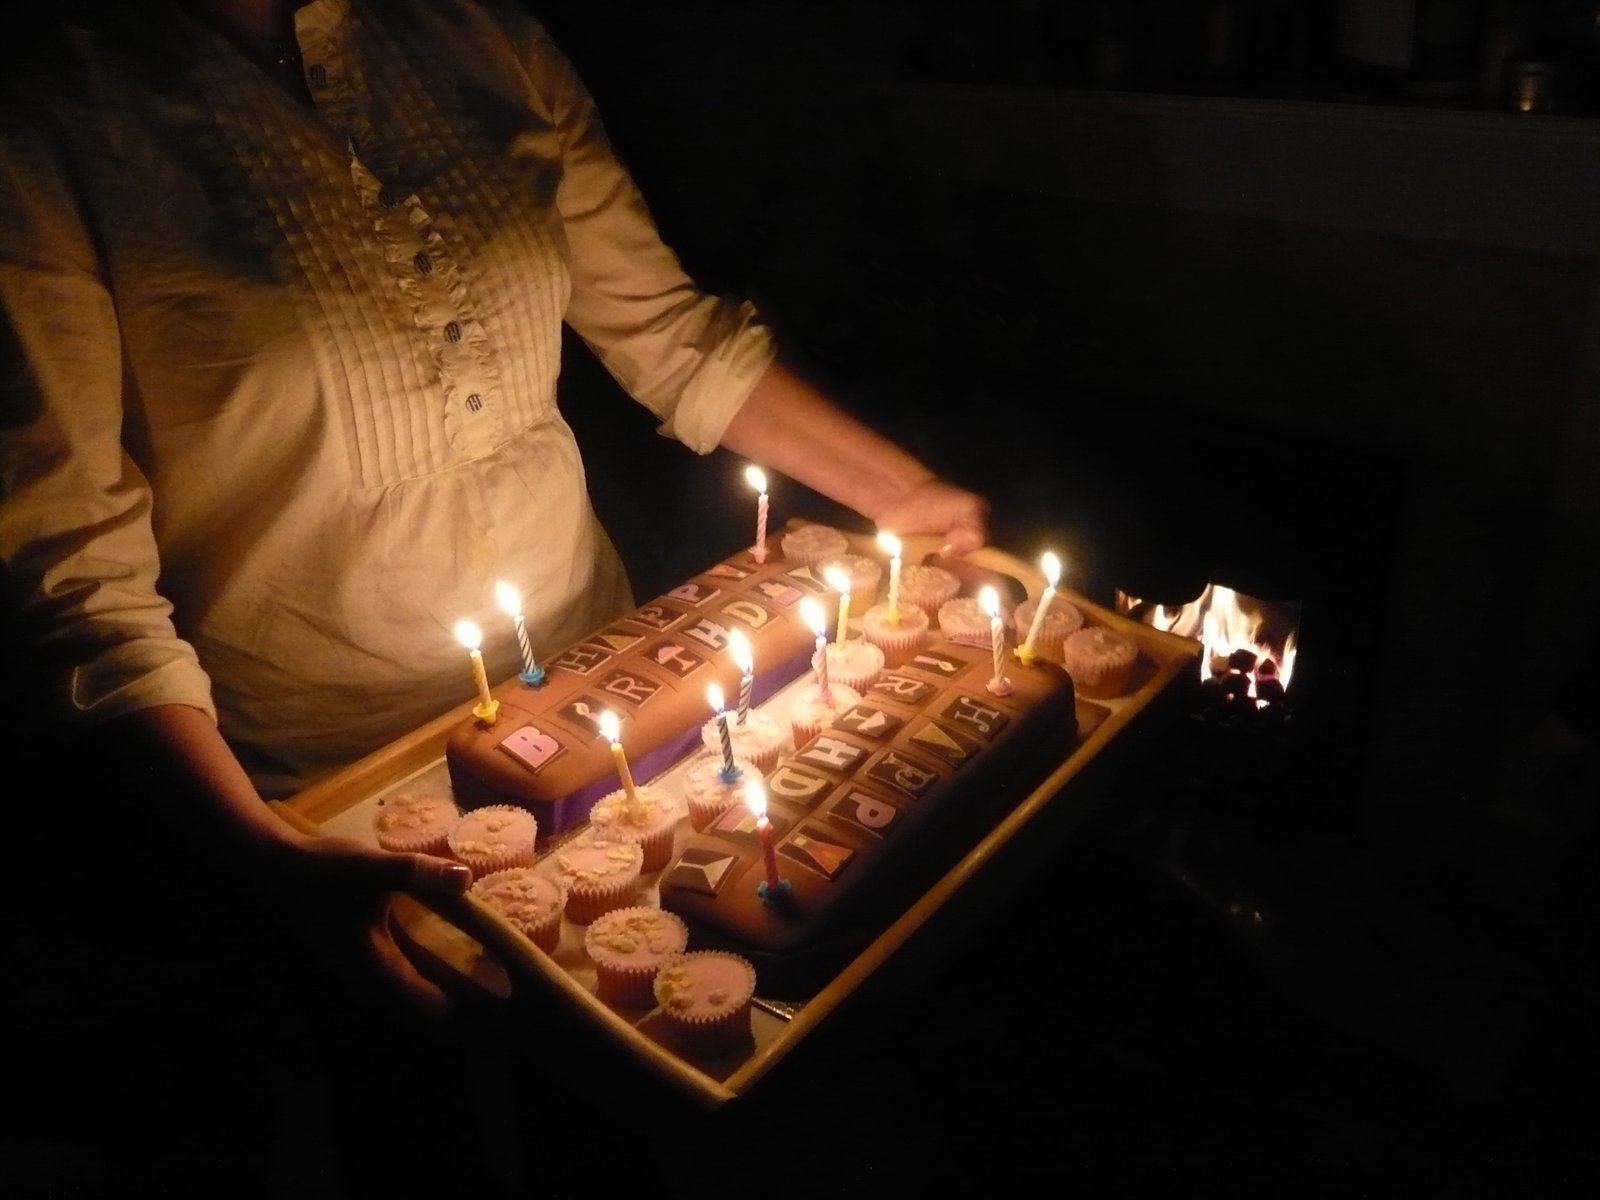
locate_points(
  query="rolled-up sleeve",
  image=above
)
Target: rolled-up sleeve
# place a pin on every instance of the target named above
(690, 357)
(76, 542)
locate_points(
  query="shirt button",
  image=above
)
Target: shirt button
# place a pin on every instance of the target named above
(318, 74)
(452, 332)
(423, 263)
(474, 402)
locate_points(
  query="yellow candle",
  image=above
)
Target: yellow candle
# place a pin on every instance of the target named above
(1051, 566)
(469, 635)
(890, 545)
(840, 582)
(611, 727)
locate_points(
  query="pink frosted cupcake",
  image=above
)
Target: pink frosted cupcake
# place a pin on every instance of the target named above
(651, 821)
(530, 902)
(963, 620)
(899, 639)
(866, 578)
(415, 824)
(599, 874)
(1062, 618)
(705, 999)
(810, 712)
(1100, 661)
(927, 587)
(493, 838)
(759, 740)
(812, 545)
(855, 663)
(708, 794)
(628, 947)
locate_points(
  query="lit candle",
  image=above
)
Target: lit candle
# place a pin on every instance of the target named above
(1051, 566)
(756, 797)
(757, 478)
(989, 600)
(811, 612)
(729, 769)
(839, 581)
(611, 727)
(739, 647)
(470, 636)
(511, 604)
(890, 545)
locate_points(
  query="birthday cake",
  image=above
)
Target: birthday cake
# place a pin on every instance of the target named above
(926, 742)
(543, 748)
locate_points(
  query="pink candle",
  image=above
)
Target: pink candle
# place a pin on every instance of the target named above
(989, 600)
(756, 798)
(811, 612)
(757, 478)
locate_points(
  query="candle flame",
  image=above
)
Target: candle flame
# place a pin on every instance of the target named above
(469, 635)
(610, 726)
(756, 478)
(888, 543)
(509, 599)
(812, 613)
(837, 579)
(755, 796)
(1051, 566)
(714, 696)
(739, 647)
(989, 601)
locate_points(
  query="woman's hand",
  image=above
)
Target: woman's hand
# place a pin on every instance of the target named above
(936, 506)
(332, 896)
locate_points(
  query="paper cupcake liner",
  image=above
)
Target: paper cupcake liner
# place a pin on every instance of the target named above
(898, 642)
(589, 899)
(1099, 671)
(545, 932)
(1053, 633)
(724, 1029)
(808, 720)
(859, 671)
(630, 984)
(484, 860)
(655, 839)
(813, 545)
(763, 753)
(705, 806)
(431, 837)
(928, 591)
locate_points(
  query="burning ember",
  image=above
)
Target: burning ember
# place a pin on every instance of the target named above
(1248, 645)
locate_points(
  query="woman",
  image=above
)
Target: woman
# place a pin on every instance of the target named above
(284, 283)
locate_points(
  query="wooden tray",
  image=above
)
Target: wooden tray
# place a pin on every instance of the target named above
(476, 947)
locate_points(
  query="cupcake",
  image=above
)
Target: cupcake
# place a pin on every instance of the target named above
(1061, 618)
(811, 545)
(628, 947)
(900, 638)
(865, 574)
(810, 711)
(599, 873)
(705, 1000)
(760, 739)
(650, 820)
(416, 824)
(530, 902)
(708, 794)
(493, 838)
(963, 620)
(1100, 661)
(927, 587)
(855, 663)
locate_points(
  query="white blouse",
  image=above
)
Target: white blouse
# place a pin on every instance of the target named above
(286, 402)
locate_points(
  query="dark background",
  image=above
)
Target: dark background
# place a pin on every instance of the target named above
(1192, 305)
